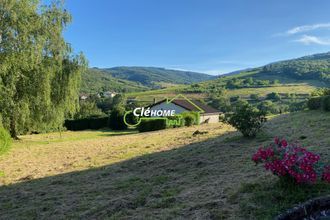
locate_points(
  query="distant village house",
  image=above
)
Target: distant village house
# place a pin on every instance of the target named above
(108, 94)
(83, 96)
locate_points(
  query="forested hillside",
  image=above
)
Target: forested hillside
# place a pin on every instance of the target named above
(96, 80)
(313, 69)
(135, 79)
(153, 77)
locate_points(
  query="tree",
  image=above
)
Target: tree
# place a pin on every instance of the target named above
(268, 107)
(88, 109)
(254, 96)
(273, 96)
(247, 119)
(116, 119)
(39, 76)
(118, 101)
(221, 103)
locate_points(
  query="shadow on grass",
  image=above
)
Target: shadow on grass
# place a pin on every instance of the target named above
(108, 133)
(197, 181)
(270, 197)
(187, 182)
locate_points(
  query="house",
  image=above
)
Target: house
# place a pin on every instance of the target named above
(207, 113)
(83, 96)
(108, 94)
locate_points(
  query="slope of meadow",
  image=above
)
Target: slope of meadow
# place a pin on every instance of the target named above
(148, 96)
(157, 175)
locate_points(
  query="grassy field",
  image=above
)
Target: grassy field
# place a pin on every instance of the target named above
(156, 175)
(288, 88)
(148, 96)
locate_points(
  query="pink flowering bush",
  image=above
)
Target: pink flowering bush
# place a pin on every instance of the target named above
(326, 174)
(292, 161)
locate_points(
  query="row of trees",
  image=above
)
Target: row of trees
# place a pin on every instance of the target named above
(39, 75)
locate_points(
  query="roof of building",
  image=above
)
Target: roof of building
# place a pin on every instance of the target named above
(189, 106)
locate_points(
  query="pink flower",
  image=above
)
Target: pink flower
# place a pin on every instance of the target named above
(284, 159)
(284, 143)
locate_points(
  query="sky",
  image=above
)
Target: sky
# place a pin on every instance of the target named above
(209, 36)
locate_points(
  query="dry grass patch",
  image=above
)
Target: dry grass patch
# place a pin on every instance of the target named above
(43, 155)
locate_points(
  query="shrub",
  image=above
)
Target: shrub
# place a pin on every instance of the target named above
(5, 140)
(247, 119)
(98, 123)
(190, 118)
(221, 103)
(234, 98)
(273, 96)
(326, 103)
(321, 92)
(314, 103)
(268, 107)
(88, 109)
(326, 174)
(86, 123)
(152, 124)
(116, 119)
(254, 96)
(292, 162)
(297, 106)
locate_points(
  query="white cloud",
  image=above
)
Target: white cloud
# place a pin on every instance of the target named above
(308, 39)
(306, 28)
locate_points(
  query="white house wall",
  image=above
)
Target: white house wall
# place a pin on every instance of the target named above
(209, 118)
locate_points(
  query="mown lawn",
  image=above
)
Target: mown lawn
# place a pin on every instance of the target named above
(157, 175)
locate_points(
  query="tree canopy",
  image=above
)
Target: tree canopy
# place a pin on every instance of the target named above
(39, 75)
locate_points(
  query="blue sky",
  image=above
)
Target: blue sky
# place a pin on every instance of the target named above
(210, 36)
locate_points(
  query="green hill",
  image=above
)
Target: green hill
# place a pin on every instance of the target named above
(96, 80)
(310, 71)
(154, 77)
(313, 69)
(300, 76)
(135, 79)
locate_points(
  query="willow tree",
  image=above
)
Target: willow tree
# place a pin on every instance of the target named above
(39, 75)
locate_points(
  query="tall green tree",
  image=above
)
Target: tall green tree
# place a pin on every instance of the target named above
(39, 75)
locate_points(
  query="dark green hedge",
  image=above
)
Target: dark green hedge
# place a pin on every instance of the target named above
(319, 102)
(152, 124)
(326, 103)
(190, 118)
(86, 123)
(314, 103)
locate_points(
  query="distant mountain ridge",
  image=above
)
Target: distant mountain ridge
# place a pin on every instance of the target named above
(96, 80)
(130, 79)
(312, 69)
(148, 76)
